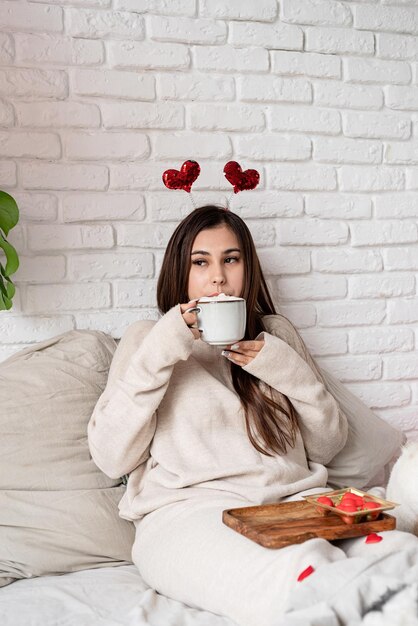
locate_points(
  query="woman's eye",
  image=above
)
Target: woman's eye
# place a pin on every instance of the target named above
(201, 262)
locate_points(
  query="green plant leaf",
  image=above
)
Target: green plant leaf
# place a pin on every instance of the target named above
(9, 212)
(5, 304)
(11, 257)
(3, 289)
(10, 288)
(5, 299)
(9, 216)
(6, 285)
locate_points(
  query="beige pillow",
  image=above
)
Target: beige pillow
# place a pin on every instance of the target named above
(372, 443)
(58, 511)
(371, 446)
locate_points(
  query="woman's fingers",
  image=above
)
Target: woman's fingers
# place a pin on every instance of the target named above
(243, 352)
(190, 318)
(196, 333)
(239, 359)
(248, 353)
(246, 347)
(188, 305)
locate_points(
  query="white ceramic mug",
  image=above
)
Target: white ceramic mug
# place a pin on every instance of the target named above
(221, 321)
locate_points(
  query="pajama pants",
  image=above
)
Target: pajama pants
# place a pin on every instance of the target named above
(185, 552)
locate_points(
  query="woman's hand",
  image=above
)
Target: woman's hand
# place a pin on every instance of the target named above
(243, 352)
(190, 318)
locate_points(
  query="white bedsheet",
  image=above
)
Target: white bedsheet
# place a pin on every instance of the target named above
(109, 596)
(373, 591)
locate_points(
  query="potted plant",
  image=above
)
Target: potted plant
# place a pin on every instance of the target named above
(9, 216)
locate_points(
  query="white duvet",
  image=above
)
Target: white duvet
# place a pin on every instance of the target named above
(358, 591)
(377, 591)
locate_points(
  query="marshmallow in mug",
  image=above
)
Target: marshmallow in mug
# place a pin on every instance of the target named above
(221, 319)
(218, 297)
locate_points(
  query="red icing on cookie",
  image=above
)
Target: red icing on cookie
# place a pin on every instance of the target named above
(306, 572)
(373, 538)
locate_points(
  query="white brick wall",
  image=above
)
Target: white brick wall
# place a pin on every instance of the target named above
(99, 97)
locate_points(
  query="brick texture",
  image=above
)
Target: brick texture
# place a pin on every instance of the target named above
(99, 97)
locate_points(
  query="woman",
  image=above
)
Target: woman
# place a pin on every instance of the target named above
(199, 429)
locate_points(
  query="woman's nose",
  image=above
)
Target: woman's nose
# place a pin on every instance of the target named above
(218, 277)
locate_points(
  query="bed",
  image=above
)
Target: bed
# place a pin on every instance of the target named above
(373, 592)
(65, 552)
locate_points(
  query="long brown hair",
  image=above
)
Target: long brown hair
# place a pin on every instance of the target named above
(271, 426)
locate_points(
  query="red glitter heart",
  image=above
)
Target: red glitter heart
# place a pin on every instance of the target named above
(240, 180)
(183, 179)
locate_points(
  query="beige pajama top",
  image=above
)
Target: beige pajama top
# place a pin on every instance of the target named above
(171, 419)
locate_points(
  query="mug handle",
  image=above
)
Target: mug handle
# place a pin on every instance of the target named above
(191, 310)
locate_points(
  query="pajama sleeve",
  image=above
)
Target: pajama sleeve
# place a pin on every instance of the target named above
(287, 367)
(123, 422)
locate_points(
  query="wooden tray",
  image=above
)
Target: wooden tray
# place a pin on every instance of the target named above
(280, 525)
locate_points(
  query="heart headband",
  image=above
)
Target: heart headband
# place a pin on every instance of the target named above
(190, 170)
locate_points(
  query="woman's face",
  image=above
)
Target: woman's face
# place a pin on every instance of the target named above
(217, 264)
